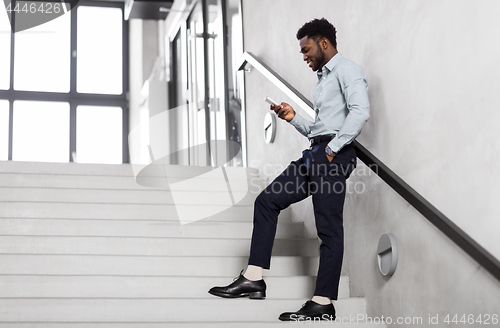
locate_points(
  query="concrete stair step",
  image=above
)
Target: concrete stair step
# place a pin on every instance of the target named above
(148, 246)
(35, 286)
(276, 323)
(164, 213)
(66, 168)
(193, 266)
(117, 196)
(360, 324)
(108, 169)
(158, 310)
(140, 228)
(67, 181)
(116, 211)
(39, 180)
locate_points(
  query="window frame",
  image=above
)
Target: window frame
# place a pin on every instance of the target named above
(179, 92)
(72, 97)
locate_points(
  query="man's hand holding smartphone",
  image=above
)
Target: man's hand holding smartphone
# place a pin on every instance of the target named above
(283, 110)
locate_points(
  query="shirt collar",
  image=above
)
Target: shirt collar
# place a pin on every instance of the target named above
(330, 65)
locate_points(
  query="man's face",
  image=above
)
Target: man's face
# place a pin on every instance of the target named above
(313, 54)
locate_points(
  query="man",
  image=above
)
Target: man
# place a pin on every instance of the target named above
(342, 108)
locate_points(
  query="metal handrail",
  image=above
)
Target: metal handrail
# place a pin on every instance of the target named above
(441, 221)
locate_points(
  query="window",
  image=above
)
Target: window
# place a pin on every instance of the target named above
(98, 137)
(48, 67)
(41, 131)
(206, 55)
(63, 86)
(4, 50)
(4, 130)
(99, 66)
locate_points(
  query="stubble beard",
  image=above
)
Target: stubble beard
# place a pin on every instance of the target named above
(319, 60)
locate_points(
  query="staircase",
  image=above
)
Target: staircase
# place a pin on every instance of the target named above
(83, 245)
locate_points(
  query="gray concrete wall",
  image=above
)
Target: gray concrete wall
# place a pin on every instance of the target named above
(432, 72)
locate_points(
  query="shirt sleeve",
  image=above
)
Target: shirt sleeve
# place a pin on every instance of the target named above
(355, 88)
(301, 124)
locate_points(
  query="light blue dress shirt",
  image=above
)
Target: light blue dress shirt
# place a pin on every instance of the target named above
(341, 103)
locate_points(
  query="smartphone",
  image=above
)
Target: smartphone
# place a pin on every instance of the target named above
(271, 102)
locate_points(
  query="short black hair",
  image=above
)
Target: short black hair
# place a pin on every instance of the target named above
(318, 29)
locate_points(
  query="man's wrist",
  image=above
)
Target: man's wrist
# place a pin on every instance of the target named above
(290, 120)
(329, 151)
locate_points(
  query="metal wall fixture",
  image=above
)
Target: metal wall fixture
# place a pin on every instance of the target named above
(387, 254)
(269, 127)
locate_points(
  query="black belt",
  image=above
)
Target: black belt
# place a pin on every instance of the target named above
(318, 139)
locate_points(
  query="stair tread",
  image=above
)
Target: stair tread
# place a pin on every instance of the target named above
(27, 209)
(107, 182)
(149, 265)
(200, 198)
(99, 169)
(148, 286)
(149, 246)
(140, 228)
(186, 324)
(154, 310)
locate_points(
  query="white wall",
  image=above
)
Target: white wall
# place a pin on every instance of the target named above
(433, 76)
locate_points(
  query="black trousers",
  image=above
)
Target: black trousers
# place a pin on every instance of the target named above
(311, 174)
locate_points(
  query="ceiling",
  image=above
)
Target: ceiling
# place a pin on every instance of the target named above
(146, 9)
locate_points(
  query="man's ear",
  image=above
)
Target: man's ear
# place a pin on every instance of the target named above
(324, 43)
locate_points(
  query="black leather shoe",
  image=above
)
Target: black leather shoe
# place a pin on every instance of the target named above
(241, 287)
(310, 311)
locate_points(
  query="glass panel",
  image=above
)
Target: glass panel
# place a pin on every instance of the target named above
(4, 49)
(177, 72)
(235, 118)
(216, 79)
(99, 135)
(43, 57)
(196, 88)
(41, 131)
(179, 133)
(4, 130)
(99, 61)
